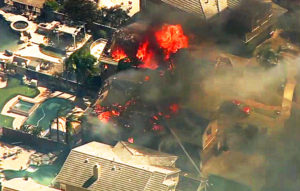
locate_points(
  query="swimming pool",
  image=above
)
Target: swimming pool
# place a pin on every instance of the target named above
(48, 111)
(8, 38)
(23, 106)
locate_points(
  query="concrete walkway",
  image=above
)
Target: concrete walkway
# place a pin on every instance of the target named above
(33, 51)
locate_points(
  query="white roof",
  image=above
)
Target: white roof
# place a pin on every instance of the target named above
(68, 30)
(107, 152)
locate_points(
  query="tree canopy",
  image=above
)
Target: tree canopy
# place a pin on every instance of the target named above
(83, 64)
(87, 11)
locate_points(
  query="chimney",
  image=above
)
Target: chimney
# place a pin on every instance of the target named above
(96, 171)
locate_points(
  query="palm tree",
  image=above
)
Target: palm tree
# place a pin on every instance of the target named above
(70, 119)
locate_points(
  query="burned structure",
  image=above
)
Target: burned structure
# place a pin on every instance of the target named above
(249, 22)
(122, 167)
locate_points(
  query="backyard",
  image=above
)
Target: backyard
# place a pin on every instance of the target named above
(14, 88)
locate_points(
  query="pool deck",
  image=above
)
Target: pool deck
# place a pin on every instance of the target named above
(39, 99)
(30, 48)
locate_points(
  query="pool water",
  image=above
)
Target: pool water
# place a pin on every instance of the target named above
(20, 25)
(48, 111)
(8, 38)
(24, 106)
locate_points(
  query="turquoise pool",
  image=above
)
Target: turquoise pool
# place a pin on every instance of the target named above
(24, 106)
(8, 38)
(48, 111)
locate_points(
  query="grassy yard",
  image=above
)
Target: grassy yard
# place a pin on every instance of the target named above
(13, 89)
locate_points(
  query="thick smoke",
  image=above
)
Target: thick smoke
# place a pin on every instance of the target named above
(200, 88)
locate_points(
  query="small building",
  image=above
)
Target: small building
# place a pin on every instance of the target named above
(20, 184)
(251, 25)
(97, 166)
(33, 6)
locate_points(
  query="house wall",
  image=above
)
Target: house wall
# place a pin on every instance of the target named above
(213, 7)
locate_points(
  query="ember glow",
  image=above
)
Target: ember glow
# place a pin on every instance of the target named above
(146, 56)
(157, 128)
(174, 108)
(247, 110)
(118, 54)
(130, 140)
(104, 117)
(105, 114)
(171, 38)
(147, 78)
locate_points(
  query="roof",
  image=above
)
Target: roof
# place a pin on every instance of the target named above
(68, 29)
(135, 156)
(34, 3)
(115, 168)
(19, 184)
(190, 6)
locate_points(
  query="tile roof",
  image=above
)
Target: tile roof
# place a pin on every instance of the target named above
(116, 173)
(190, 6)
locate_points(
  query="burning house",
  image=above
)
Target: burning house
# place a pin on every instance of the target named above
(250, 22)
(124, 166)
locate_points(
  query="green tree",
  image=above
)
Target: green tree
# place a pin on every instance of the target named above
(87, 11)
(83, 64)
(53, 4)
(81, 10)
(114, 16)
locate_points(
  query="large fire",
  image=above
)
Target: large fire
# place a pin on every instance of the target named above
(171, 38)
(146, 56)
(118, 54)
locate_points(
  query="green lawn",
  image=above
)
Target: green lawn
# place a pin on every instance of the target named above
(13, 89)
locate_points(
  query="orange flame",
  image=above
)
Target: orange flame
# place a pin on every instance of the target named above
(118, 54)
(171, 38)
(146, 56)
(105, 116)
